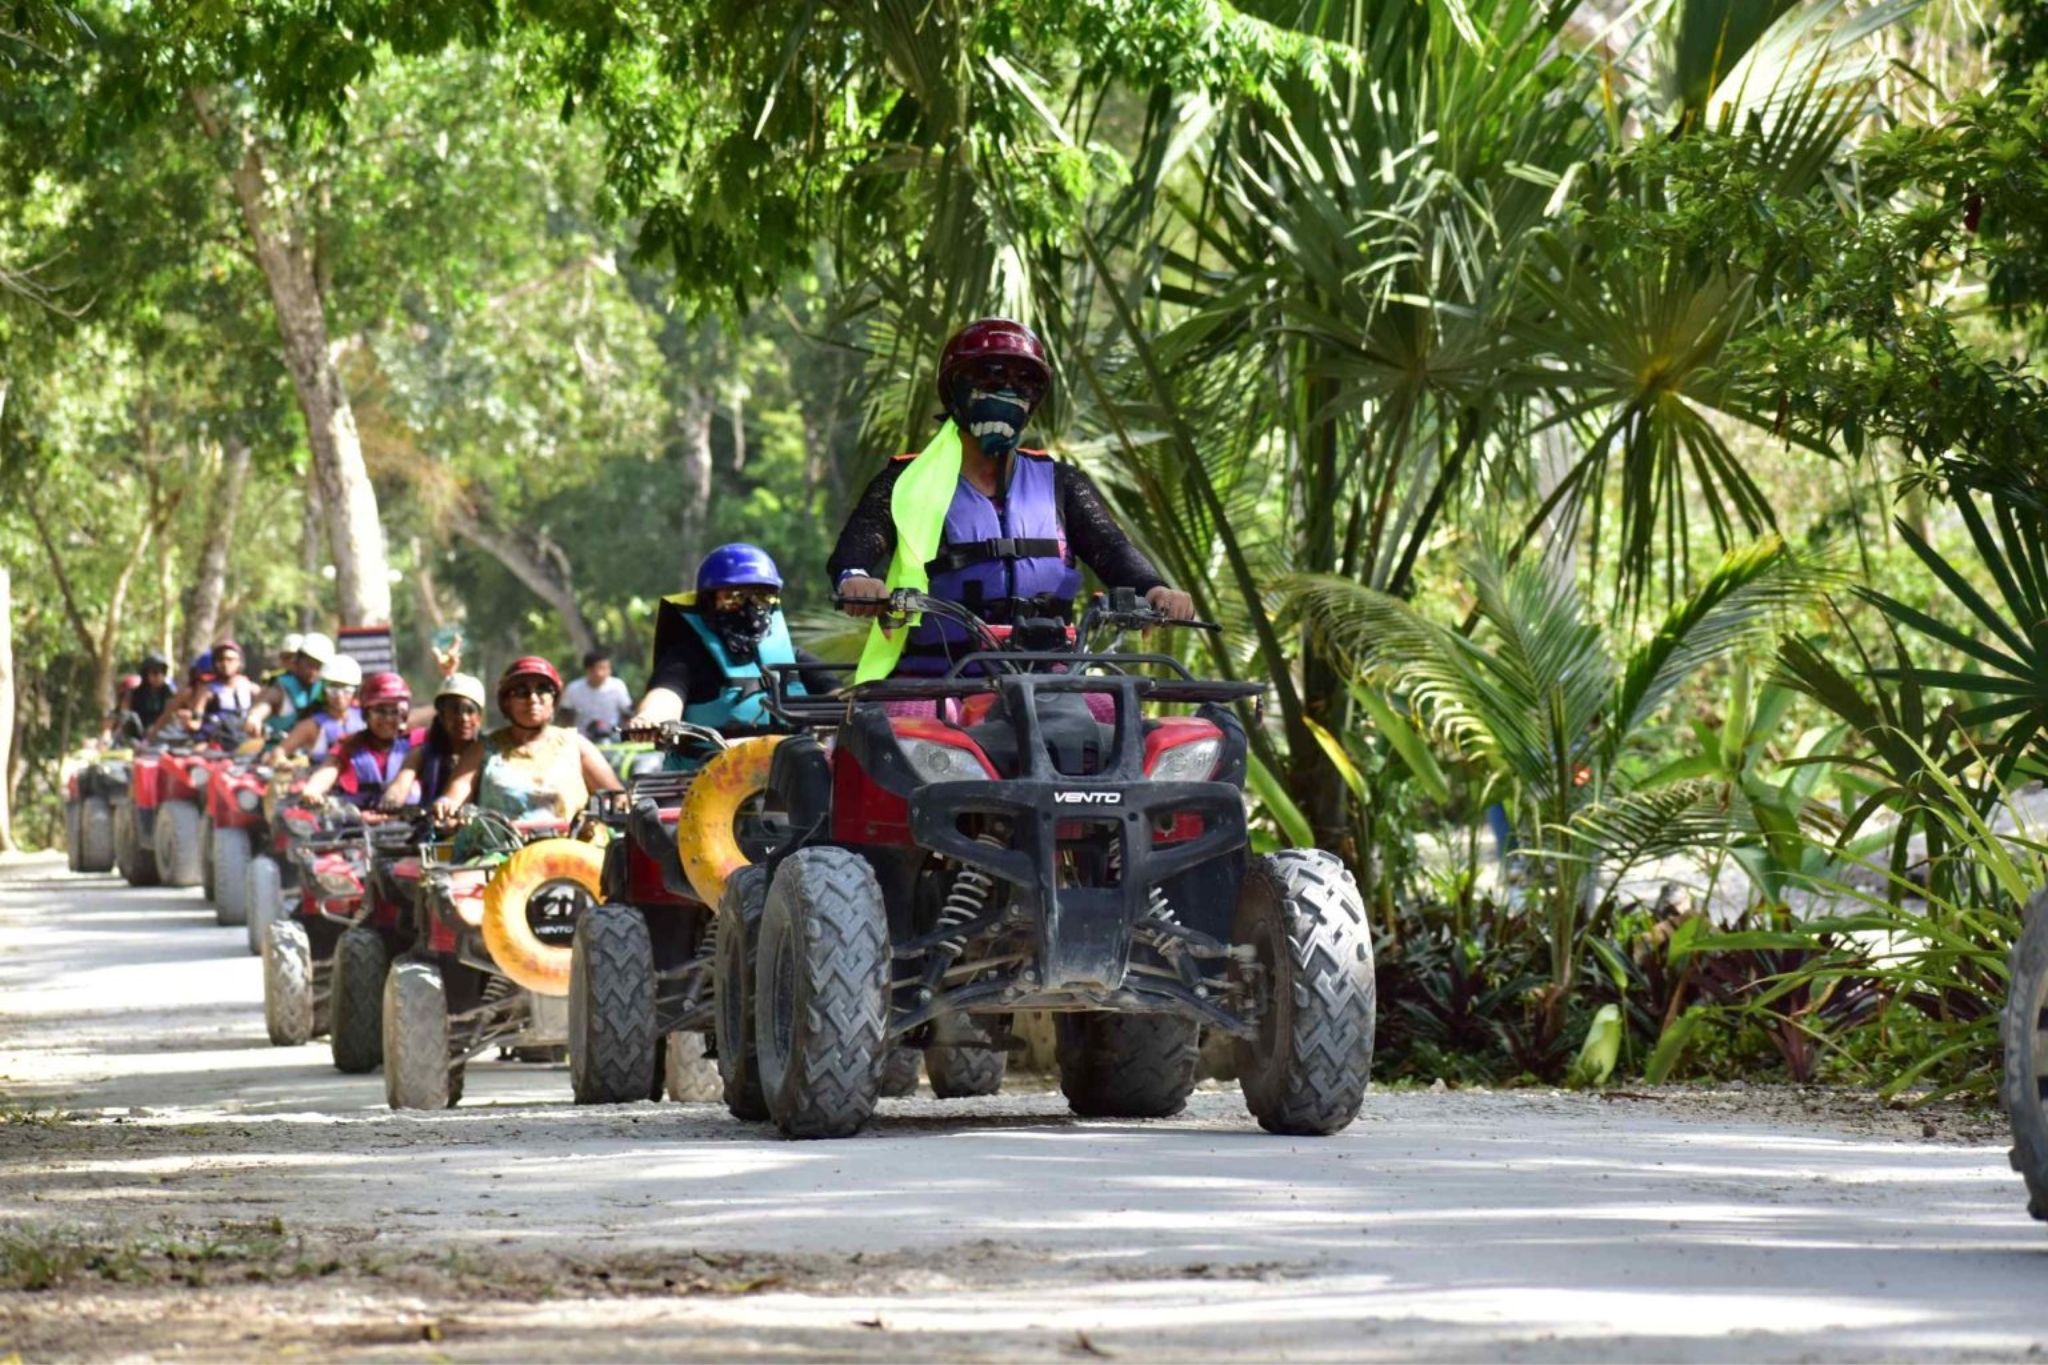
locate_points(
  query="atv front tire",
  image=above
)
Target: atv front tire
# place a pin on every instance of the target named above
(822, 993)
(135, 858)
(263, 896)
(74, 840)
(689, 1073)
(1303, 917)
(355, 1009)
(230, 875)
(416, 1070)
(206, 858)
(2024, 1030)
(1126, 1066)
(95, 835)
(288, 985)
(614, 1055)
(179, 853)
(735, 964)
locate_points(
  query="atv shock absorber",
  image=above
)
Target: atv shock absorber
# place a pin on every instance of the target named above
(1168, 934)
(966, 902)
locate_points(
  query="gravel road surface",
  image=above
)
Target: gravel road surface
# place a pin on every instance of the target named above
(172, 1186)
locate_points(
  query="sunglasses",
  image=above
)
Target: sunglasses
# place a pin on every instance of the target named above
(1026, 380)
(528, 692)
(342, 687)
(394, 712)
(463, 708)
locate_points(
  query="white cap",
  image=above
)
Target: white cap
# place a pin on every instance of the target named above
(343, 672)
(292, 643)
(317, 647)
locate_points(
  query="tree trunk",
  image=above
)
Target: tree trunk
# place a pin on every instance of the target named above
(361, 571)
(538, 563)
(312, 539)
(695, 424)
(6, 707)
(428, 615)
(739, 431)
(202, 610)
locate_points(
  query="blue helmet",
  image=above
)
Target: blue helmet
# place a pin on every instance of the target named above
(738, 566)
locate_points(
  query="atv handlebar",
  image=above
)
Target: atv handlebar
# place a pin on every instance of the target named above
(1121, 610)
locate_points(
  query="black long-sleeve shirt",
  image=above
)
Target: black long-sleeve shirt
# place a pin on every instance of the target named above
(1093, 535)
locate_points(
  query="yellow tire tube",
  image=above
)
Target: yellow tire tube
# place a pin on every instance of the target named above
(705, 837)
(518, 952)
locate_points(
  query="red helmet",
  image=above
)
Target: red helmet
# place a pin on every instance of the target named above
(532, 666)
(383, 689)
(992, 340)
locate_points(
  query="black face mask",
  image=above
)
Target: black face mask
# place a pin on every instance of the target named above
(741, 628)
(995, 417)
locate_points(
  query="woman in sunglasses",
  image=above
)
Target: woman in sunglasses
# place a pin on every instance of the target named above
(1018, 524)
(363, 768)
(530, 769)
(319, 731)
(458, 723)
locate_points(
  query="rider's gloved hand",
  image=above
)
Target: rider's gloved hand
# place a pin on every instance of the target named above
(862, 596)
(1171, 603)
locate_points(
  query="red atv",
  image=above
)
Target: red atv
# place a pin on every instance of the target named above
(135, 819)
(324, 962)
(640, 977)
(92, 787)
(236, 829)
(162, 833)
(1036, 842)
(487, 962)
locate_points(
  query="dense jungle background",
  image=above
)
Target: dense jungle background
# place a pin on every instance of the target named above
(1614, 430)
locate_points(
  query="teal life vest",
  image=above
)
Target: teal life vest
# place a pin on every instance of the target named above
(302, 698)
(742, 700)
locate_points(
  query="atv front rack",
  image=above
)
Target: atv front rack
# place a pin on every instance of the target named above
(980, 674)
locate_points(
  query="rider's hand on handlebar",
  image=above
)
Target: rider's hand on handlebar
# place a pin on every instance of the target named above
(1171, 603)
(862, 596)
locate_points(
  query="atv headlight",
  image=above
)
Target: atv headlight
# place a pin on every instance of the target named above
(1190, 762)
(200, 777)
(936, 762)
(249, 800)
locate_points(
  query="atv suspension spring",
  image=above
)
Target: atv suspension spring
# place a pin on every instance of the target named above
(1158, 909)
(968, 896)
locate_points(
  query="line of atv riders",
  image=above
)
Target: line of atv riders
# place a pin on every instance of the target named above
(784, 889)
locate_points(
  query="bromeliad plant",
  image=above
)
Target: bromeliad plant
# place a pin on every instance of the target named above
(1552, 703)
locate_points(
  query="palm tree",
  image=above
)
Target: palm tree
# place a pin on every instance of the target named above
(1551, 703)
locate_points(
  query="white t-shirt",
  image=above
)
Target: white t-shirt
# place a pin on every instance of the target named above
(610, 702)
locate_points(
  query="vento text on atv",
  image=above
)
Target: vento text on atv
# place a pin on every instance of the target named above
(1038, 843)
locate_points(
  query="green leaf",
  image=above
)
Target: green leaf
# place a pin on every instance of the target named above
(1671, 1045)
(1333, 749)
(1273, 796)
(1600, 1051)
(1408, 742)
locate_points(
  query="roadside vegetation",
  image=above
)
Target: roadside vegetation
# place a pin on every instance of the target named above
(1613, 431)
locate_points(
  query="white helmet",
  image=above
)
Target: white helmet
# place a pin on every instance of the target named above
(317, 647)
(343, 672)
(292, 643)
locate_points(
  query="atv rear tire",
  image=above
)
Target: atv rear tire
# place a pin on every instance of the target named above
(355, 1001)
(230, 875)
(179, 854)
(822, 993)
(2024, 1027)
(1302, 915)
(74, 839)
(263, 898)
(288, 985)
(614, 1052)
(689, 1073)
(739, 938)
(416, 1070)
(899, 1073)
(967, 1061)
(1126, 1066)
(95, 835)
(135, 858)
(206, 883)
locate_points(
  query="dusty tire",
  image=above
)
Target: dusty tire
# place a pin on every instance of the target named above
(262, 898)
(965, 1071)
(416, 1070)
(739, 937)
(288, 985)
(355, 1008)
(821, 993)
(689, 1074)
(899, 1072)
(180, 856)
(95, 835)
(74, 839)
(1126, 1066)
(614, 1054)
(206, 856)
(1302, 914)
(136, 858)
(2024, 1031)
(230, 875)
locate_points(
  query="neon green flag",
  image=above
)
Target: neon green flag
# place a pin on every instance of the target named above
(918, 505)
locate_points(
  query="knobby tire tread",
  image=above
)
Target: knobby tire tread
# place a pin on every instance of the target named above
(614, 1052)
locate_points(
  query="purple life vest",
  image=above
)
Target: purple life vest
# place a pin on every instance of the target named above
(333, 731)
(1002, 561)
(368, 771)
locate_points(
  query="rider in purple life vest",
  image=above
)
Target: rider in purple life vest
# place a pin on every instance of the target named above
(319, 731)
(1021, 523)
(362, 765)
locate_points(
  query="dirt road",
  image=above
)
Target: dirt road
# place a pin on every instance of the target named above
(171, 1185)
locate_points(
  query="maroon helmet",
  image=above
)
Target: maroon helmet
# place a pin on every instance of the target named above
(999, 348)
